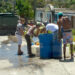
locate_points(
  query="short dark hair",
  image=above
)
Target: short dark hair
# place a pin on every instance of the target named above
(60, 16)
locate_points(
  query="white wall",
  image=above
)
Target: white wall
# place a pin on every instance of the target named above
(46, 16)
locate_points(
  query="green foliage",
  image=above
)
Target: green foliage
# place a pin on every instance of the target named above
(6, 7)
(24, 8)
(9, 7)
(72, 6)
(40, 3)
(63, 4)
(73, 31)
(2, 10)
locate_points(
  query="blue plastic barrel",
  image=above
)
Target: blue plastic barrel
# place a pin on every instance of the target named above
(45, 39)
(45, 45)
(57, 49)
(45, 52)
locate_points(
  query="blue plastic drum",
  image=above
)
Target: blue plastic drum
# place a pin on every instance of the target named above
(45, 45)
(57, 49)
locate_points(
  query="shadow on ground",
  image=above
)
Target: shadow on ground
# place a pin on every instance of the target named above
(9, 58)
(67, 60)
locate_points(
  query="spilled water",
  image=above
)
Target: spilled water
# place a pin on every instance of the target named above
(10, 60)
(12, 64)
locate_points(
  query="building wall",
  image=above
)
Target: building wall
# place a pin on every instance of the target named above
(45, 16)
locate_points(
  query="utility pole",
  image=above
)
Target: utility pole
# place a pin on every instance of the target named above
(34, 9)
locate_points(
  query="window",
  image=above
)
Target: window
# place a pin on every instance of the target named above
(41, 15)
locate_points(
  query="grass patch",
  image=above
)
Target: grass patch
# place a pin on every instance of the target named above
(74, 38)
(74, 48)
(73, 31)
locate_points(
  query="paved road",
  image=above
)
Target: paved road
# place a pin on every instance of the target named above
(12, 64)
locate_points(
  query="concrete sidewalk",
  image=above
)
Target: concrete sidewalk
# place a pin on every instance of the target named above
(12, 64)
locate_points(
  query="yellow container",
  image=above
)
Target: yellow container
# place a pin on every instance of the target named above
(74, 39)
(49, 31)
(37, 43)
(25, 32)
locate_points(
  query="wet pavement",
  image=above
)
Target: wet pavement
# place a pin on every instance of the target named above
(12, 64)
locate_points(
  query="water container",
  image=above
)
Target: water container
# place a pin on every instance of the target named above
(45, 39)
(45, 45)
(57, 49)
(45, 52)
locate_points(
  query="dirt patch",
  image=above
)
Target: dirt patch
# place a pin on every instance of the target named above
(5, 42)
(12, 38)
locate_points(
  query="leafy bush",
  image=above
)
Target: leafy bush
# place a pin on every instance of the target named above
(72, 6)
(24, 8)
(73, 31)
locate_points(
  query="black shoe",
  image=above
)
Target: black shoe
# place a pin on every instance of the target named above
(21, 53)
(31, 55)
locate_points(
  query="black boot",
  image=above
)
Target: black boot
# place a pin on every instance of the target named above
(31, 55)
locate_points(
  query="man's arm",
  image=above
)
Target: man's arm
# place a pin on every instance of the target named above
(59, 31)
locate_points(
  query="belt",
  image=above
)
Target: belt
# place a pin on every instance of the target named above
(67, 30)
